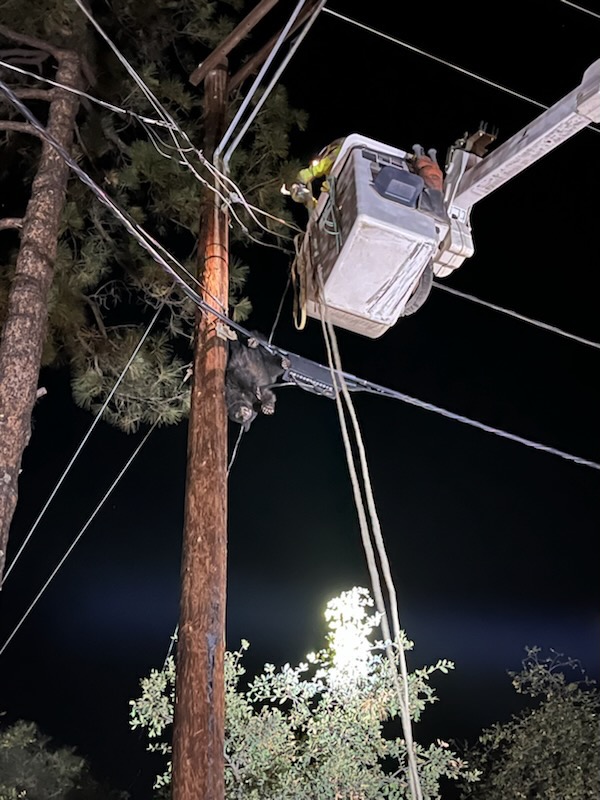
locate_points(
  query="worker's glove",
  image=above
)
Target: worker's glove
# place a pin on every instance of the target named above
(427, 167)
(301, 193)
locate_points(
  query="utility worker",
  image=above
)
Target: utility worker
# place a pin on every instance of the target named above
(428, 168)
(301, 190)
(424, 165)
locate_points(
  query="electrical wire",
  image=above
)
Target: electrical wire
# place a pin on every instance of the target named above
(142, 238)
(443, 61)
(234, 193)
(77, 539)
(372, 388)
(174, 128)
(581, 8)
(280, 308)
(80, 93)
(235, 450)
(544, 325)
(437, 59)
(83, 442)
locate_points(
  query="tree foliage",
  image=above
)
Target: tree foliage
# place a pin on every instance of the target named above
(324, 728)
(33, 768)
(550, 750)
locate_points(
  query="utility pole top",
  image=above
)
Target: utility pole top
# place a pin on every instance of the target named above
(235, 37)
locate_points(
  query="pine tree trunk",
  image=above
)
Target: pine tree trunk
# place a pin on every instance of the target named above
(25, 327)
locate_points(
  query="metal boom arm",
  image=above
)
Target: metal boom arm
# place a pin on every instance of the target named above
(564, 119)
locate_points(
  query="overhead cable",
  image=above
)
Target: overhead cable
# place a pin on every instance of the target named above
(413, 401)
(227, 195)
(83, 442)
(262, 99)
(439, 60)
(544, 325)
(443, 61)
(359, 384)
(116, 109)
(581, 8)
(77, 539)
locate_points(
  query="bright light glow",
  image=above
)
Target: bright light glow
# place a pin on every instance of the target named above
(350, 626)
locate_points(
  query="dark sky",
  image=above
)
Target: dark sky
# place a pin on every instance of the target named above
(491, 543)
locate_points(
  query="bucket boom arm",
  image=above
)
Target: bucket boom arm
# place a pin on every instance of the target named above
(470, 178)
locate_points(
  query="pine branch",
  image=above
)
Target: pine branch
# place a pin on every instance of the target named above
(27, 57)
(39, 44)
(29, 93)
(10, 223)
(20, 52)
(31, 41)
(17, 127)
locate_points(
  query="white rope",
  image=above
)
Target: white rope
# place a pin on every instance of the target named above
(339, 381)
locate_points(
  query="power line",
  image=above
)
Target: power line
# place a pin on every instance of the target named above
(581, 8)
(438, 59)
(77, 538)
(443, 61)
(313, 377)
(174, 128)
(83, 442)
(482, 426)
(116, 109)
(544, 325)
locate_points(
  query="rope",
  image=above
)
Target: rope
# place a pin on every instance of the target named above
(402, 691)
(298, 274)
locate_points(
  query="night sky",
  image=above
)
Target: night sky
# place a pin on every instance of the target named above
(491, 543)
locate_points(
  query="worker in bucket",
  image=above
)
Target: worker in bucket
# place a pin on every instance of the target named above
(301, 189)
(426, 166)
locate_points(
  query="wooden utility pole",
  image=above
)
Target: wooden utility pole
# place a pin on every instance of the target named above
(199, 720)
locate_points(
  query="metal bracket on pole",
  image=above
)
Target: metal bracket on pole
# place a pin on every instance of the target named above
(222, 161)
(234, 38)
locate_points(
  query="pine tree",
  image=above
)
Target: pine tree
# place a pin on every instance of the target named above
(27, 301)
(97, 287)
